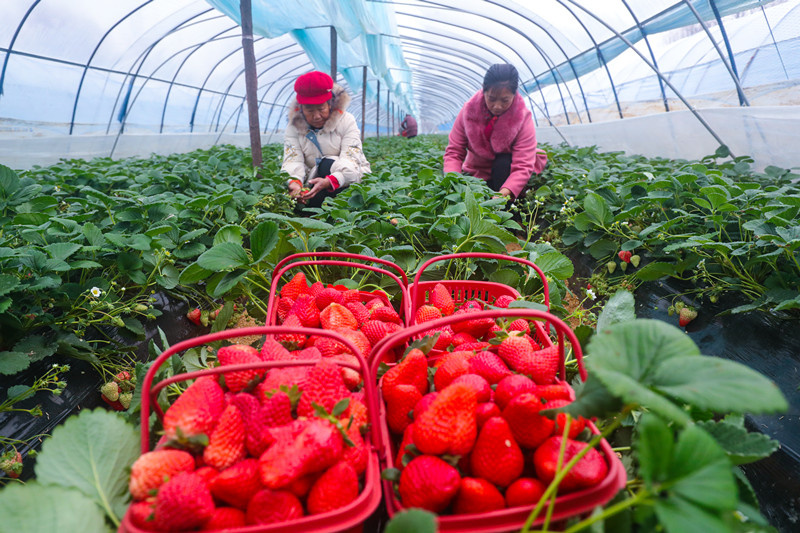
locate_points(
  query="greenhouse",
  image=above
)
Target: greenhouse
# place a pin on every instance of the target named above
(400, 265)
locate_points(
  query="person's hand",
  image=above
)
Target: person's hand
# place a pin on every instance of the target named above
(503, 193)
(317, 186)
(295, 189)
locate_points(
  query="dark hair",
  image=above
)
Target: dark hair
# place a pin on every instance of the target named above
(501, 75)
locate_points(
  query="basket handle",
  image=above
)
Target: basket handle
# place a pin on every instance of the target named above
(395, 339)
(417, 290)
(272, 303)
(342, 255)
(150, 391)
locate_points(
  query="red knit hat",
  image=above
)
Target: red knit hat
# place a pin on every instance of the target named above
(313, 88)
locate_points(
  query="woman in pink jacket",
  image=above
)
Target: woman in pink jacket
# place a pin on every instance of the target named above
(493, 137)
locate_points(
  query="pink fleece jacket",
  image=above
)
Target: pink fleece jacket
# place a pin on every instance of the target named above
(471, 152)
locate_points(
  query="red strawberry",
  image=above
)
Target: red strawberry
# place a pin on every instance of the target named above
(350, 295)
(301, 486)
(237, 484)
(423, 404)
(575, 426)
(306, 310)
(318, 446)
(272, 507)
(408, 439)
(226, 444)
(351, 377)
(545, 365)
(477, 327)
(441, 299)
(328, 296)
(195, 412)
(524, 491)
(324, 386)
(384, 314)
(471, 304)
(489, 366)
(225, 518)
(516, 352)
(277, 408)
(448, 425)
(375, 330)
(151, 469)
(357, 455)
(334, 489)
(194, 315)
(337, 316)
(412, 369)
(686, 315)
(426, 313)
(429, 483)
(484, 412)
(625, 256)
(237, 354)
(309, 353)
(477, 495)
(503, 301)
(529, 428)
(295, 287)
(496, 455)
(357, 338)
(316, 288)
(359, 311)
(285, 305)
(328, 347)
(142, 514)
(520, 324)
(555, 391)
(207, 473)
(476, 346)
(184, 502)
(357, 411)
(445, 338)
(462, 338)
(257, 439)
(451, 366)
(587, 472)
(512, 386)
(292, 341)
(400, 401)
(481, 387)
(278, 377)
(272, 350)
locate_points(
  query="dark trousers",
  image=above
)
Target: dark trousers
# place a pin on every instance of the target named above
(501, 170)
(323, 169)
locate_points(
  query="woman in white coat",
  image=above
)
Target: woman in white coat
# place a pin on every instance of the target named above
(322, 146)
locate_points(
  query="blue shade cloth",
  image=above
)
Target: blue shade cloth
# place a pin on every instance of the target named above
(366, 31)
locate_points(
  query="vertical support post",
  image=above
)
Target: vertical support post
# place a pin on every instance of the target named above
(393, 130)
(333, 53)
(378, 112)
(251, 81)
(363, 101)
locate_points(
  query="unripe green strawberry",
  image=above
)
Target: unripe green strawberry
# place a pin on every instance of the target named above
(125, 399)
(611, 266)
(110, 390)
(11, 463)
(635, 260)
(623, 266)
(687, 314)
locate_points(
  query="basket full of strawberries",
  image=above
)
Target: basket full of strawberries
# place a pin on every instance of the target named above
(470, 439)
(264, 440)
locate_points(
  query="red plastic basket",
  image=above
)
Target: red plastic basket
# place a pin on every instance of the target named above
(348, 518)
(486, 291)
(288, 263)
(567, 505)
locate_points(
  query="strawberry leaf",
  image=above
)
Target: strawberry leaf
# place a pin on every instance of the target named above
(382, 369)
(412, 521)
(390, 474)
(23, 508)
(741, 446)
(91, 453)
(425, 344)
(340, 407)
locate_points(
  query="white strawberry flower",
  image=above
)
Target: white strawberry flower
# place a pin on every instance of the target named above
(96, 292)
(590, 294)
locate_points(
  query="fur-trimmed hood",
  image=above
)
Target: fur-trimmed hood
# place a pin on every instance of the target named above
(505, 130)
(340, 102)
